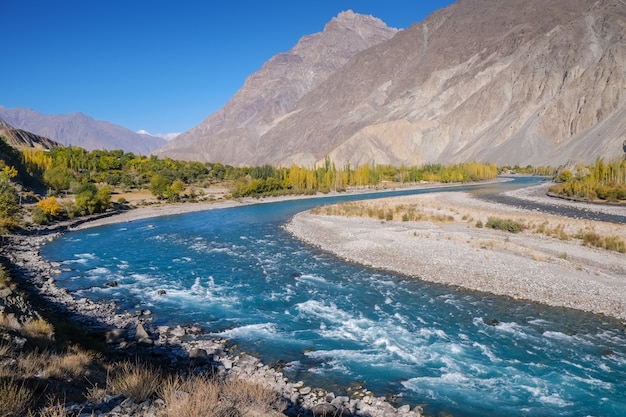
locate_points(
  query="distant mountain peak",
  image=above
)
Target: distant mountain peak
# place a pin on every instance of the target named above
(351, 19)
(273, 91)
(79, 129)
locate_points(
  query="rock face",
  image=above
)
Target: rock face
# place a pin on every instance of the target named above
(80, 130)
(233, 134)
(503, 81)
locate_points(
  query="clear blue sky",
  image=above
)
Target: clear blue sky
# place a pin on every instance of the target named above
(157, 65)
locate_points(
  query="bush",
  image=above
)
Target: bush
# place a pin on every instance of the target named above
(39, 217)
(37, 328)
(507, 225)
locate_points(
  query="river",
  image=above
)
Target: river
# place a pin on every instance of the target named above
(333, 324)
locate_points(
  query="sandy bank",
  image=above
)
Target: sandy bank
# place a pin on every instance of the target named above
(448, 248)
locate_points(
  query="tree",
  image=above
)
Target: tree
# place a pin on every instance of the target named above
(58, 178)
(50, 207)
(9, 205)
(89, 199)
(158, 185)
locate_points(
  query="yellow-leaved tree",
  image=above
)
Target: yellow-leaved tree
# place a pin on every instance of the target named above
(50, 207)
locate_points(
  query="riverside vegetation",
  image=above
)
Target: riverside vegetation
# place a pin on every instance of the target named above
(46, 362)
(440, 214)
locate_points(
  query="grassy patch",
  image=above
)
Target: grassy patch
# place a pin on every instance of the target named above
(15, 397)
(138, 381)
(508, 225)
(203, 395)
(593, 239)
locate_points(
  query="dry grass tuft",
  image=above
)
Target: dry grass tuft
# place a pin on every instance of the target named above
(202, 395)
(251, 399)
(53, 410)
(197, 396)
(15, 398)
(138, 381)
(74, 363)
(37, 328)
(9, 322)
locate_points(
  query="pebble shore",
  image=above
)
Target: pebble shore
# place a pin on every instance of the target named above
(525, 265)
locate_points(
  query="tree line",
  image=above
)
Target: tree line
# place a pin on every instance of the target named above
(76, 182)
(601, 181)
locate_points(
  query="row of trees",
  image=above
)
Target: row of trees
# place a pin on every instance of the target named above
(89, 178)
(64, 169)
(268, 180)
(601, 181)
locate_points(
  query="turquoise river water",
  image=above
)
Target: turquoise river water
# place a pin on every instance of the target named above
(334, 324)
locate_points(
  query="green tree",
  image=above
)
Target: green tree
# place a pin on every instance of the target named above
(89, 199)
(57, 178)
(158, 185)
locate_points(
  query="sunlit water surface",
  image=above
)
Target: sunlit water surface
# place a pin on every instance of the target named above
(239, 275)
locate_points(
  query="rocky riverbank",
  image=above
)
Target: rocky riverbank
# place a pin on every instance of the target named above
(135, 334)
(547, 262)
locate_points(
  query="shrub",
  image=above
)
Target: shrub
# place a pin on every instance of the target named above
(136, 381)
(39, 217)
(194, 397)
(479, 224)
(507, 225)
(37, 328)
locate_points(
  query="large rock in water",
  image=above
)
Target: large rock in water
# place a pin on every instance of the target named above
(504, 81)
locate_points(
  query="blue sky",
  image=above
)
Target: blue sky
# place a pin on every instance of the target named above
(157, 65)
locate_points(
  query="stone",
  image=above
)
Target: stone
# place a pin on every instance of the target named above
(178, 331)
(114, 336)
(141, 333)
(323, 410)
(198, 354)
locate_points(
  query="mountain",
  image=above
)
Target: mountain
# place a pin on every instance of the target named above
(232, 134)
(21, 139)
(504, 81)
(80, 130)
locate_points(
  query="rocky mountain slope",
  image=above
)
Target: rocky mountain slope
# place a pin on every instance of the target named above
(232, 134)
(80, 130)
(21, 139)
(504, 81)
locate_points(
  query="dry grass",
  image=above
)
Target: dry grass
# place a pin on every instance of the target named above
(54, 410)
(72, 364)
(202, 395)
(37, 328)
(9, 322)
(194, 397)
(376, 210)
(15, 398)
(138, 381)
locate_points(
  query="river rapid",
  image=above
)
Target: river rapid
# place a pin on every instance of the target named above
(333, 324)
